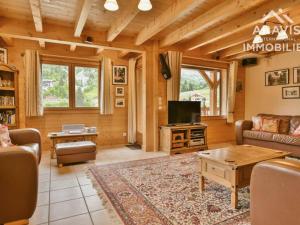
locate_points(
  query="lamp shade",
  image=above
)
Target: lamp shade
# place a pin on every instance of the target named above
(282, 35)
(265, 30)
(111, 5)
(145, 5)
(257, 39)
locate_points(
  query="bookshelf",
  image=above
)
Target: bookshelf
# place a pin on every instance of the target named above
(183, 138)
(9, 112)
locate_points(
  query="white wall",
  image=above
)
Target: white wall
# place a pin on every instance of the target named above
(265, 99)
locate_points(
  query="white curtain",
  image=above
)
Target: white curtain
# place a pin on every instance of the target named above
(131, 101)
(33, 84)
(233, 70)
(173, 84)
(106, 97)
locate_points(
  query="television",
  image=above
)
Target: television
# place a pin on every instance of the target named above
(184, 112)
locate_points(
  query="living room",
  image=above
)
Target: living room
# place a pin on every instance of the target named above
(149, 112)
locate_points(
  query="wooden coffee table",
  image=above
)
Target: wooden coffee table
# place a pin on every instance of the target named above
(232, 166)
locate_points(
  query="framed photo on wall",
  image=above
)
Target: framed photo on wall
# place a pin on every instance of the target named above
(3, 55)
(296, 75)
(291, 92)
(120, 75)
(277, 77)
(120, 102)
(120, 91)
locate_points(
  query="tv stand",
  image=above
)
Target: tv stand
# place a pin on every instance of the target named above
(183, 138)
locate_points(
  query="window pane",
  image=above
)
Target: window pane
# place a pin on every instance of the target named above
(55, 81)
(86, 87)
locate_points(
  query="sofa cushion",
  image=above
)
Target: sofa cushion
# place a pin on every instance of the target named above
(4, 137)
(270, 125)
(284, 124)
(258, 135)
(257, 122)
(78, 147)
(286, 139)
(294, 124)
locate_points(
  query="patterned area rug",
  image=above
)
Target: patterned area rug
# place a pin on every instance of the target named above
(165, 191)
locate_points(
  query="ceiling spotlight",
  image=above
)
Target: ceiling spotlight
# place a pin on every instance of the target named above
(265, 30)
(257, 39)
(111, 5)
(282, 35)
(145, 5)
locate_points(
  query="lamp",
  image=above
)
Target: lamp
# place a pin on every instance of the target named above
(145, 5)
(282, 35)
(257, 39)
(265, 30)
(111, 5)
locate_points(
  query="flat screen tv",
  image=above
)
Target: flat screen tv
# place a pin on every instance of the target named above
(184, 112)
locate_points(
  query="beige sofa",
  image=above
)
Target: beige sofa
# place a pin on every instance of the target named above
(281, 141)
(19, 175)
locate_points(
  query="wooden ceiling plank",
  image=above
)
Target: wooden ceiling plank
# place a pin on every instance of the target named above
(232, 51)
(123, 21)
(7, 41)
(158, 23)
(249, 19)
(35, 6)
(82, 17)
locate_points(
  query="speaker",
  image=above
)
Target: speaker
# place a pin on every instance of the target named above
(165, 69)
(249, 62)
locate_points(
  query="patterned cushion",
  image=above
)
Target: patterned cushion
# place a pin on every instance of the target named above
(270, 125)
(257, 122)
(294, 124)
(258, 135)
(4, 137)
(286, 139)
(297, 132)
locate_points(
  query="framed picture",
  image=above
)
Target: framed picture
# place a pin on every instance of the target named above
(296, 75)
(120, 102)
(119, 91)
(3, 55)
(119, 75)
(291, 92)
(277, 77)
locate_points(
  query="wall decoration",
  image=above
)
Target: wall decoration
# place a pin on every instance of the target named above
(291, 92)
(277, 77)
(3, 55)
(119, 75)
(296, 75)
(119, 91)
(120, 102)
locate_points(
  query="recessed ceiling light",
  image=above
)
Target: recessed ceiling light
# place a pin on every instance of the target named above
(145, 5)
(111, 5)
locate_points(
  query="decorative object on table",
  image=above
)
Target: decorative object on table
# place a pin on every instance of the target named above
(3, 55)
(277, 77)
(120, 91)
(296, 75)
(291, 92)
(139, 186)
(120, 102)
(120, 75)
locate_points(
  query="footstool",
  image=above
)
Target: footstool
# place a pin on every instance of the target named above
(72, 152)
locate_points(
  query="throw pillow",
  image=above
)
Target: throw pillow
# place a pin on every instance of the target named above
(297, 132)
(270, 125)
(284, 126)
(4, 137)
(257, 122)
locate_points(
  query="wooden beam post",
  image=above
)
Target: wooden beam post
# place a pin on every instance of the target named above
(36, 14)
(82, 17)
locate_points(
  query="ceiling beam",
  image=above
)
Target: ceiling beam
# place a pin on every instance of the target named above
(42, 44)
(123, 20)
(213, 17)
(158, 23)
(72, 47)
(82, 17)
(99, 51)
(232, 51)
(248, 20)
(8, 41)
(35, 6)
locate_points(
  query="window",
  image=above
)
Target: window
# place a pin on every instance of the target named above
(70, 86)
(55, 81)
(202, 85)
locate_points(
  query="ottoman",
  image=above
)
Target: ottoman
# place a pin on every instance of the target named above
(72, 152)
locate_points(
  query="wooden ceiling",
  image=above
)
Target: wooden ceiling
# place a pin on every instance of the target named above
(200, 28)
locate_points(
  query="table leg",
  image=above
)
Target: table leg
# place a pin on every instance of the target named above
(201, 183)
(234, 197)
(53, 156)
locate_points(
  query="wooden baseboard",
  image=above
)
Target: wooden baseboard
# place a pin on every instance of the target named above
(18, 222)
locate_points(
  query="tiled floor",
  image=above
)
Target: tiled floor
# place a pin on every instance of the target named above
(66, 195)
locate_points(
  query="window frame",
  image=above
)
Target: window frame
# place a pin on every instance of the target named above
(71, 76)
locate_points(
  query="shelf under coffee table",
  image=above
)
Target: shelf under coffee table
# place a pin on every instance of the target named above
(232, 166)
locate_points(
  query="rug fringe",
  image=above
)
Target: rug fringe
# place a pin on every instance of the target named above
(106, 203)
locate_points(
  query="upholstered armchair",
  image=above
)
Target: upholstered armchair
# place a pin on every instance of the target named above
(19, 176)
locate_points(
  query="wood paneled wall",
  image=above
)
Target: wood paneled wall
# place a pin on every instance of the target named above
(111, 128)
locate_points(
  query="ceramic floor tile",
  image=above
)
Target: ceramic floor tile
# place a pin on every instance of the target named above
(102, 217)
(40, 215)
(94, 203)
(66, 209)
(84, 180)
(65, 194)
(43, 198)
(88, 190)
(44, 186)
(61, 184)
(44, 177)
(83, 219)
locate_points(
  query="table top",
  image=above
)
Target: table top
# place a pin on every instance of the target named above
(241, 155)
(63, 134)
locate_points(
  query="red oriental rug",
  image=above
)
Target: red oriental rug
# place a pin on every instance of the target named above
(165, 191)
